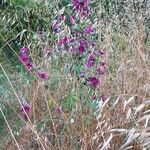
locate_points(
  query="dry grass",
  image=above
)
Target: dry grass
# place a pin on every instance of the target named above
(123, 120)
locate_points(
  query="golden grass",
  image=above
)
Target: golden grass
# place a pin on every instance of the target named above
(123, 120)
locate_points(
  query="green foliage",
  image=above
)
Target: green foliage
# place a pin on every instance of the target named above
(63, 3)
(7, 113)
(120, 41)
(19, 21)
(2, 124)
(69, 102)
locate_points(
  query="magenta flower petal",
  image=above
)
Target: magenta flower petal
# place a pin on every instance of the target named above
(89, 29)
(85, 12)
(58, 109)
(24, 49)
(42, 74)
(94, 82)
(90, 61)
(103, 63)
(63, 41)
(82, 47)
(89, 64)
(62, 17)
(26, 108)
(23, 57)
(55, 26)
(71, 49)
(101, 70)
(29, 66)
(103, 98)
(101, 52)
(91, 57)
(94, 97)
(82, 74)
(25, 117)
(81, 6)
(72, 20)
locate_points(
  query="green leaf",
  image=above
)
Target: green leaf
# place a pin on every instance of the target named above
(69, 102)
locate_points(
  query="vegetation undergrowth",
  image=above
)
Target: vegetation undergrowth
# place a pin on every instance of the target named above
(74, 74)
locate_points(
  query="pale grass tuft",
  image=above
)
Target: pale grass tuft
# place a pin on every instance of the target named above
(127, 102)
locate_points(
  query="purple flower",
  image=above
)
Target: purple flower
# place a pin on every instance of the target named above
(90, 61)
(80, 4)
(72, 20)
(29, 66)
(82, 74)
(94, 97)
(94, 82)
(24, 49)
(55, 26)
(101, 52)
(25, 117)
(89, 64)
(103, 98)
(103, 63)
(101, 70)
(63, 41)
(81, 47)
(47, 52)
(71, 49)
(25, 110)
(56, 30)
(23, 57)
(62, 17)
(58, 109)
(91, 57)
(42, 74)
(85, 12)
(89, 29)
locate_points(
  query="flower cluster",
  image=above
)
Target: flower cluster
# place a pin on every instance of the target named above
(78, 43)
(89, 29)
(58, 109)
(100, 68)
(90, 61)
(81, 42)
(26, 108)
(94, 82)
(42, 74)
(81, 6)
(55, 26)
(24, 58)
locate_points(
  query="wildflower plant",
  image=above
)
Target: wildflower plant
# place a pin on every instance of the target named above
(75, 42)
(67, 52)
(69, 46)
(26, 109)
(25, 59)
